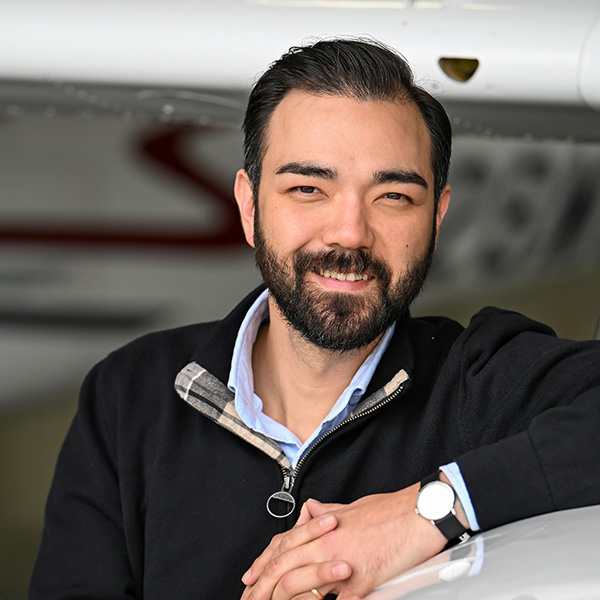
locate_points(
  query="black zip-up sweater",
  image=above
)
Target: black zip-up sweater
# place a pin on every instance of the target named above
(160, 492)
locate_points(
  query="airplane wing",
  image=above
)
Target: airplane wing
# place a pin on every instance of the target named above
(120, 136)
(502, 67)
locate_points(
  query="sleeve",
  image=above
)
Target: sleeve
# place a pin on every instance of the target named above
(452, 472)
(531, 414)
(83, 553)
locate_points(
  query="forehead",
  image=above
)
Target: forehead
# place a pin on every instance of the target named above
(345, 133)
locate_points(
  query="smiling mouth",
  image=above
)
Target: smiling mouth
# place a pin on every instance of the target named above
(344, 276)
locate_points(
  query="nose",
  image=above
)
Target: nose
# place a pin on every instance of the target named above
(347, 224)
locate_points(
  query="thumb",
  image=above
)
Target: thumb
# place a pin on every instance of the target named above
(305, 514)
(347, 594)
(316, 508)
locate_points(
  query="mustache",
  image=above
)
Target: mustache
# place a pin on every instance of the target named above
(343, 260)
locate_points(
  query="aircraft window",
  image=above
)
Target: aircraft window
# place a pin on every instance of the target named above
(459, 69)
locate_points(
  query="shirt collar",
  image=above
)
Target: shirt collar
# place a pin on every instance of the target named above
(241, 379)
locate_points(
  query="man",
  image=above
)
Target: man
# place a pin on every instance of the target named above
(310, 415)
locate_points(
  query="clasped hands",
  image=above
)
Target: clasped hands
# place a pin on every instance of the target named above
(344, 549)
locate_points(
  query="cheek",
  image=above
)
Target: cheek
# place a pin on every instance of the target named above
(291, 231)
(405, 243)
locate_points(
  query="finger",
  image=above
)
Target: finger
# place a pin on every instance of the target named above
(306, 533)
(316, 508)
(323, 576)
(295, 537)
(283, 564)
(246, 593)
(257, 567)
(305, 515)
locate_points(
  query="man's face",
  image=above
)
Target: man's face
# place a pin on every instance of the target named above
(345, 226)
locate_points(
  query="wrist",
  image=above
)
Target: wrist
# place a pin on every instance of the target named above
(437, 503)
(430, 539)
(458, 507)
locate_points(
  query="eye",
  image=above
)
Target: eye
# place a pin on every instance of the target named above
(398, 196)
(306, 189)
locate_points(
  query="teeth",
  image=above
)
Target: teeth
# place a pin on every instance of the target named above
(343, 276)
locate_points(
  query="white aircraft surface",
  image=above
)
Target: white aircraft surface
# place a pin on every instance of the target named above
(148, 58)
(549, 557)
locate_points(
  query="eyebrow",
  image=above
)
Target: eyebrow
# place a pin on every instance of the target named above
(308, 170)
(399, 176)
(379, 177)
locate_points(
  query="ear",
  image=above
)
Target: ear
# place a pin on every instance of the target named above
(245, 201)
(442, 208)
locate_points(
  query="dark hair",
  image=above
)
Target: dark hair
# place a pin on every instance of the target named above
(356, 68)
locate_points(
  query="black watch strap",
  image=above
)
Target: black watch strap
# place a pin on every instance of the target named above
(452, 529)
(435, 476)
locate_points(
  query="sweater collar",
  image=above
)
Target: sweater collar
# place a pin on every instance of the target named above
(215, 351)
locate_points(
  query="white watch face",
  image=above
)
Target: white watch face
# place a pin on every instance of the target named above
(435, 500)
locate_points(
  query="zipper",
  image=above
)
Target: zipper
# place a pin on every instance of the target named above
(289, 476)
(283, 495)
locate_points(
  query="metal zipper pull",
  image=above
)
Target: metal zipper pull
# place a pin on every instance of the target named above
(281, 504)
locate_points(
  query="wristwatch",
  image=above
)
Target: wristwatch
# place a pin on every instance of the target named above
(435, 503)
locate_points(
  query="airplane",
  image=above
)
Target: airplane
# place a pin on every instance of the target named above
(120, 125)
(120, 135)
(537, 60)
(548, 557)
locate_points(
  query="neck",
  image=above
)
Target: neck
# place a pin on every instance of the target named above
(297, 381)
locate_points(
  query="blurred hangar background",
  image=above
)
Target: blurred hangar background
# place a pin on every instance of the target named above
(119, 139)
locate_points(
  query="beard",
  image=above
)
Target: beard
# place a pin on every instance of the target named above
(338, 321)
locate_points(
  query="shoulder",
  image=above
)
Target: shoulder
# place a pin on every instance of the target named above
(143, 371)
(504, 323)
(504, 354)
(166, 348)
(209, 344)
(129, 398)
(138, 378)
(432, 336)
(434, 326)
(495, 334)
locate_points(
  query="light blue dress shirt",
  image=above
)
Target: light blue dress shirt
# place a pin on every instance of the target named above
(249, 405)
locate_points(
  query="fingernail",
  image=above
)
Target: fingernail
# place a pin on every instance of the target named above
(341, 570)
(246, 576)
(327, 521)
